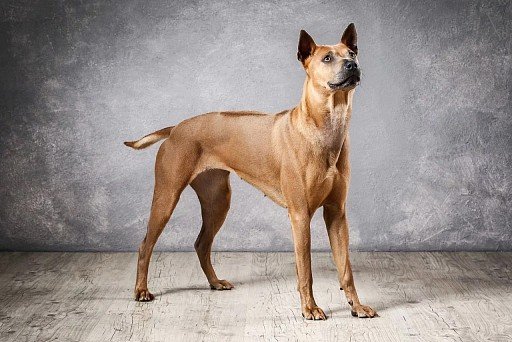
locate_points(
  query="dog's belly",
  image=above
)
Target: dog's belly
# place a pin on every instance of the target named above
(271, 192)
(267, 185)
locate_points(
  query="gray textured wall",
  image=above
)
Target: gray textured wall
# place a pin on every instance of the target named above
(431, 131)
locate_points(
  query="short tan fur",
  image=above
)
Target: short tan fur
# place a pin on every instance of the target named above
(298, 158)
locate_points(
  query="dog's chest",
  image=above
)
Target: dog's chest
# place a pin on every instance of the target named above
(318, 176)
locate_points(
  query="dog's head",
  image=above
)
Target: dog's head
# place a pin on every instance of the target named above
(332, 67)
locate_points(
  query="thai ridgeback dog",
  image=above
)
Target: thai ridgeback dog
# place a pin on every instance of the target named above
(299, 158)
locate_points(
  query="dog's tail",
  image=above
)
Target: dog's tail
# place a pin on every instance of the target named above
(150, 139)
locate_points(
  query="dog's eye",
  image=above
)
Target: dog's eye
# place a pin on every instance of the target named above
(327, 58)
(352, 54)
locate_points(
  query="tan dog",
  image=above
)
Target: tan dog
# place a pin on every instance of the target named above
(298, 158)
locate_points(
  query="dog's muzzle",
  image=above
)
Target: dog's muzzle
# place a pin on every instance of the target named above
(348, 78)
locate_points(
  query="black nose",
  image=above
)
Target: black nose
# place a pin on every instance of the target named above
(349, 65)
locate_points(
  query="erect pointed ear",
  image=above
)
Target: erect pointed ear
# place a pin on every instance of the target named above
(306, 46)
(349, 37)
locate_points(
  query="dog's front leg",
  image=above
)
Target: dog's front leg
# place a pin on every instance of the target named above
(302, 241)
(337, 229)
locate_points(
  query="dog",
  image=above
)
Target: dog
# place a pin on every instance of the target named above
(299, 158)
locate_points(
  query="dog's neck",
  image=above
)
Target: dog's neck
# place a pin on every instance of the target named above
(323, 116)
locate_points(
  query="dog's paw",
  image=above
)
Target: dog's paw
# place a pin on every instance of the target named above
(363, 311)
(143, 296)
(314, 313)
(221, 285)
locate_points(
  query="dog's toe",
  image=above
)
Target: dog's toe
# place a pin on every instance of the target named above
(221, 285)
(363, 311)
(314, 313)
(143, 296)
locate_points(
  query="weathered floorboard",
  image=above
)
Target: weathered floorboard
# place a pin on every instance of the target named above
(419, 296)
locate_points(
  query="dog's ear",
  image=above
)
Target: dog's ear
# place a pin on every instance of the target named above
(349, 37)
(306, 46)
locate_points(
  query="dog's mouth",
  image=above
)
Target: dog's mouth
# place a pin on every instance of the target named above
(349, 82)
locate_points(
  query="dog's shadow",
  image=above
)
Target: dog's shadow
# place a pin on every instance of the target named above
(237, 282)
(264, 280)
(175, 290)
(389, 291)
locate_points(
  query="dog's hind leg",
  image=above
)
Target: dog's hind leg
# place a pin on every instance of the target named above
(214, 193)
(173, 168)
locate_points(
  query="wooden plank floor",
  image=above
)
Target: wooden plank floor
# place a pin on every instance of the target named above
(419, 296)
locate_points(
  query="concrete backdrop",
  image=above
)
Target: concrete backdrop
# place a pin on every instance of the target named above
(431, 130)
